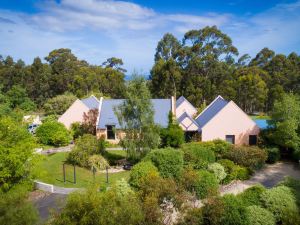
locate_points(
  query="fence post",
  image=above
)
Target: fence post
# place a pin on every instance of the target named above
(74, 173)
(64, 172)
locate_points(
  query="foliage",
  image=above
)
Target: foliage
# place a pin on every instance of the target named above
(273, 154)
(193, 216)
(294, 185)
(136, 117)
(234, 172)
(15, 209)
(256, 215)
(234, 211)
(168, 161)
(220, 147)
(198, 155)
(16, 153)
(248, 156)
(251, 196)
(59, 104)
(98, 162)
(206, 184)
(92, 207)
(282, 203)
(84, 148)
(218, 170)
(18, 98)
(141, 170)
(173, 135)
(89, 121)
(286, 122)
(76, 130)
(189, 178)
(53, 133)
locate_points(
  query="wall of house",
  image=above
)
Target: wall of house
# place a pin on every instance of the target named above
(119, 135)
(185, 107)
(73, 114)
(231, 120)
(188, 125)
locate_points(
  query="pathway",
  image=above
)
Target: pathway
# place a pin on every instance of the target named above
(59, 149)
(269, 176)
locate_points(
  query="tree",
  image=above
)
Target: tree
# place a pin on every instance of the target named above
(167, 48)
(262, 58)
(59, 104)
(18, 98)
(89, 121)
(286, 122)
(16, 153)
(135, 116)
(115, 63)
(53, 133)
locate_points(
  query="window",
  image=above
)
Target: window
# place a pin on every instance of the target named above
(110, 132)
(252, 139)
(230, 139)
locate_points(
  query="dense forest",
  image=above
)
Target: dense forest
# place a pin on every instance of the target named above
(200, 67)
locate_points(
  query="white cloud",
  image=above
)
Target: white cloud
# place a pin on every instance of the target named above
(98, 29)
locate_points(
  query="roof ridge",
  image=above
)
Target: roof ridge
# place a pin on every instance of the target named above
(219, 96)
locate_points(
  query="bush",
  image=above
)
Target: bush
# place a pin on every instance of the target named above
(53, 133)
(221, 148)
(256, 215)
(85, 146)
(173, 136)
(294, 185)
(282, 203)
(206, 184)
(234, 172)
(234, 211)
(273, 154)
(251, 196)
(198, 155)
(192, 217)
(248, 156)
(140, 171)
(218, 170)
(189, 178)
(98, 162)
(168, 161)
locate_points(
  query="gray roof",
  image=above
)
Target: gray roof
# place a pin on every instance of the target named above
(210, 111)
(182, 99)
(161, 108)
(183, 116)
(91, 102)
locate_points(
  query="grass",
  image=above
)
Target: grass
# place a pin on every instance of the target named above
(50, 171)
(261, 117)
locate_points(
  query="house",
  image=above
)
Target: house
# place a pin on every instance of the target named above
(75, 112)
(225, 120)
(185, 113)
(108, 125)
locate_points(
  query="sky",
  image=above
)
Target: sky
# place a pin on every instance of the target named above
(99, 29)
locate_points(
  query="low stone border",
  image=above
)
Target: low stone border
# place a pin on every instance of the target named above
(54, 189)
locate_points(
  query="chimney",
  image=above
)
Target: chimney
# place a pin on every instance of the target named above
(173, 105)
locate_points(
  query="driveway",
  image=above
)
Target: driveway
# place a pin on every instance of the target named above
(269, 176)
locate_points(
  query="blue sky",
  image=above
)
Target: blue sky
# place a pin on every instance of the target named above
(99, 29)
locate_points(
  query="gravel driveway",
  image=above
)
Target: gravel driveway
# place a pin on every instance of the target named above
(269, 176)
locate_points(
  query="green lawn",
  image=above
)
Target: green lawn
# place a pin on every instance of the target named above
(51, 172)
(262, 117)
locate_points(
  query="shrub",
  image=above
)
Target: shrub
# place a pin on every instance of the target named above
(251, 196)
(168, 161)
(53, 133)
(173, 136)
(282, 203)
(192, 217)
(198, 155)
(256, 215)
(234, 172)
(248, 156)
(218, 170)
(221, 148)
(85, 146)
(206, 184)
(140, 171)
(273, 154)
(234, 211)
(189, 178)
(98, 162)
(294, 185)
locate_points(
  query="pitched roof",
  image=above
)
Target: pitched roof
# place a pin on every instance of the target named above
(185, 115)
(182, 99)
(107, 116)
(210, 111)
(91, 102)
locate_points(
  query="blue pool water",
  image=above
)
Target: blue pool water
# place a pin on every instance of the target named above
(262, 123)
